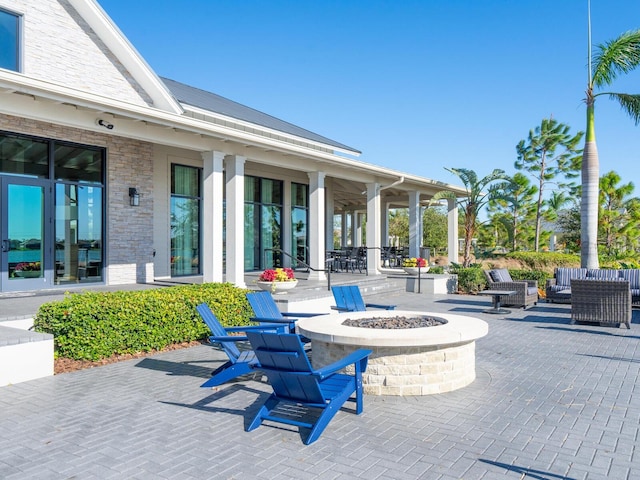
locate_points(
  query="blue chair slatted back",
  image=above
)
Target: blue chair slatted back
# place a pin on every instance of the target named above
(217, 330)
(263, 305)
(284, 361)
(348, 298)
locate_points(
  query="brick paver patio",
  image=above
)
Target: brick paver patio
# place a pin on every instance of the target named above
(551, 401)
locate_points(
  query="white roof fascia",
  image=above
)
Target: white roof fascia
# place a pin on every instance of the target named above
(208, 113)
(126, 53)
(15, 82)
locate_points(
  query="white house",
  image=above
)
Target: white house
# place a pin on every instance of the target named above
(110, 174)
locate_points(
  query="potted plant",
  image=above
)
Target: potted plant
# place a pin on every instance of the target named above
(28, 269)
(277, 280)
(415, 265)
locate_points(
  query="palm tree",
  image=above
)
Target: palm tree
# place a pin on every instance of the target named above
(472, 204)
(621, 55)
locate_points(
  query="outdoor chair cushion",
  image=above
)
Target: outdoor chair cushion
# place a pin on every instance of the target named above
(633, 275)
(603, 274)
(565, 275)
(500, 275)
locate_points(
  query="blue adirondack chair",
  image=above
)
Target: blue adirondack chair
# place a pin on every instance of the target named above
(265, 309)
(349, 299)
(294, 381)
(240, 362)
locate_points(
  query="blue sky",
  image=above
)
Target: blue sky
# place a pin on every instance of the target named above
(416, 85)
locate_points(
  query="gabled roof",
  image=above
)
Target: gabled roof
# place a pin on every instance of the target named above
(217, 104)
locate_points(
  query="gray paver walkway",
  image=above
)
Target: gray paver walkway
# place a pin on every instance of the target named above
(551, 401)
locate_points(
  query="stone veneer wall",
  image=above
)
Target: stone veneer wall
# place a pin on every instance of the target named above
(129, 230)
(61, 48)
(407, 370)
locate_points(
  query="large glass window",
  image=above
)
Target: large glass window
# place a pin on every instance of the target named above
(24, 156)
(9, 41)
(263, 223)
(185, 220)
(300, 221)
(78, 232)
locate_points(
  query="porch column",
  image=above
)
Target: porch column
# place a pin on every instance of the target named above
(373, 228)
(384, 226)
(330, 205)
(358, 229)
(343, 229)
(316, 225)
(212, 225)
(415, 224)
(234, 165)
(452, 231)
(285, 225)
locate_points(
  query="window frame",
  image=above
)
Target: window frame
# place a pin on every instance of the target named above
(18, 40)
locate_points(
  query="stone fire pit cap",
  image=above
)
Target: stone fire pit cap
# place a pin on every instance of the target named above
(329, 328)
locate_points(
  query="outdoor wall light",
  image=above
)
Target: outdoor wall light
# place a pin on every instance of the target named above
(105, 124)
(134, 197)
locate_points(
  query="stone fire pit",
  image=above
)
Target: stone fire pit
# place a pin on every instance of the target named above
(405, 361)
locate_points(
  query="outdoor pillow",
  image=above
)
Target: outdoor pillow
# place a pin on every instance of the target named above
(500, 275)
(564, 275)
(633, 275)
(602, 274)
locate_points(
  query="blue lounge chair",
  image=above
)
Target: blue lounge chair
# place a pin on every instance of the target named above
(294, 382)
(265, 309)
(349, 299)
(240, 362)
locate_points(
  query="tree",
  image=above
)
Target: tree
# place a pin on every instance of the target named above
(475, 199)
(619, 56)
(513, 203)
(399, 224)
(613, 217)
(550, 151)
(435, 229)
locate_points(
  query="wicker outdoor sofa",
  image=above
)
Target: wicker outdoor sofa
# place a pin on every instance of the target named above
(526, 290)
(606, 302)
(558, 289)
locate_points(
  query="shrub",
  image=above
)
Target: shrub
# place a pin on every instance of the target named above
(545, 260)
(95, 325)
(470, 279)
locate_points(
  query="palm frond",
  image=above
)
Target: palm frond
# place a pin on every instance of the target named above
(617, 56)
(629, 103)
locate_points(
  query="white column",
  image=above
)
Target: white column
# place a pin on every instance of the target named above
(212, 215)
(317, 222)
(358, 229)
(415, 224)
(343, 229)
(452, 230)
(330, 206)
(234, 166)
(384, 226)
(373, 228)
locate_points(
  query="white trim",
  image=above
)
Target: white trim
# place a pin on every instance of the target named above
(113, 38)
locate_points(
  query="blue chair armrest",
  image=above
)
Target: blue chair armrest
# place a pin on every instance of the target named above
(284, 321)
(377, 305)
(301, 315)
(235, 338)
(271, 327)
(342, 309)
(352, 358)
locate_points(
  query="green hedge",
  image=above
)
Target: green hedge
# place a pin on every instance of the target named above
(545, 260)
(95, 325)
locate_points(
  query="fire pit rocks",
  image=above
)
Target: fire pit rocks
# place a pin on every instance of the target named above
(414, 353)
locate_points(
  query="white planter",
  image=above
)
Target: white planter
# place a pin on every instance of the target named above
(277, 287)
(414, 270)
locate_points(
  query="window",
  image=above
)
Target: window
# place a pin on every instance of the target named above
(300, 221)
(9, 41)
(185, 220)
(263, 231)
